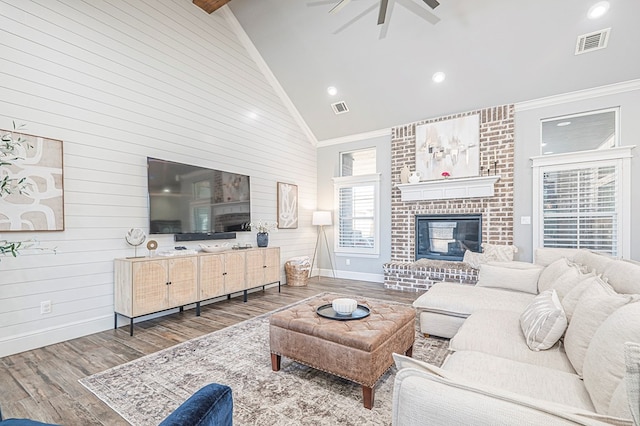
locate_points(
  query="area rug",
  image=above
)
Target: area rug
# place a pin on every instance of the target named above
(148, 389)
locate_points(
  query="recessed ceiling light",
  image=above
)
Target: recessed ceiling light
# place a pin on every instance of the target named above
(563, 123)
(332, 91)
(438, 77)
(598, 9)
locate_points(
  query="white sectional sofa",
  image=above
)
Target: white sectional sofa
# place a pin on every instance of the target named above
(507, 365)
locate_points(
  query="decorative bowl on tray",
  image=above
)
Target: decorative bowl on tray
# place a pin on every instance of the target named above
(215, 247)
(344, 306)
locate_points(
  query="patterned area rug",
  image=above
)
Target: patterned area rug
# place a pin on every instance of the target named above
(148, 389)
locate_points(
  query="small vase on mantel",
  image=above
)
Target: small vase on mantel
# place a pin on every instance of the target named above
(263, 239)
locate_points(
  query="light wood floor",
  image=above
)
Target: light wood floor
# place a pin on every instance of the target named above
(42, 384)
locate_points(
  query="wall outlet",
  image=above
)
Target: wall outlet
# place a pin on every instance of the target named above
(525, 220)
(45, 307)
(347, 262)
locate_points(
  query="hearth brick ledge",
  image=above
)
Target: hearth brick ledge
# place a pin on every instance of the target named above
(411, 277)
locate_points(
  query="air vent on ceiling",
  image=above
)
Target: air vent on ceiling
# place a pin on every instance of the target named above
(340, 107)
(592, 41)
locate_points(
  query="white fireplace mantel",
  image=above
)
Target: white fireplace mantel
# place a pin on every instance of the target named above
(481, 186)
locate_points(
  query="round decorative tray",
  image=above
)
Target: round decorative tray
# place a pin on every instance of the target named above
(327, 311)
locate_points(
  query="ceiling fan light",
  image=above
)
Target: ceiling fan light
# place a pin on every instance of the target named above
(332, 91)
(598, 9)
(438, 77)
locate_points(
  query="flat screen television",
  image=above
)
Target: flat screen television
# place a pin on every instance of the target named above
(192, 199)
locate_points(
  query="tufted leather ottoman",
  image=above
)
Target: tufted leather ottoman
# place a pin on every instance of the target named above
(357, 350)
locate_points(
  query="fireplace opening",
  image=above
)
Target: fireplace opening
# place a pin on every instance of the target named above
(447, 237)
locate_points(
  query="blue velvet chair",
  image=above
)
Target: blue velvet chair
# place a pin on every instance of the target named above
(210, 406)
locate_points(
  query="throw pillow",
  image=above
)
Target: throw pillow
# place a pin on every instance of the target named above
(550, 273)
(501, 253)
(588, 316)
(543, 322)
(473, 259)
(510, 277)
(590, 285)
(604, 364)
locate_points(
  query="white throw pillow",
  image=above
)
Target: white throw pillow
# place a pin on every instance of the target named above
(604, 363)
(589, 286)
(473, 259)
(588, 316)
(501, 253)
(510, 276)
(543, 322)
(550, 273)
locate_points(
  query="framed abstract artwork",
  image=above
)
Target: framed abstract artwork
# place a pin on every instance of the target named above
(448, 148)
(39, 204)
(287, 205)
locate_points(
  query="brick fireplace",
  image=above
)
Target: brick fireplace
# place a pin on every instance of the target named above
(496, 141)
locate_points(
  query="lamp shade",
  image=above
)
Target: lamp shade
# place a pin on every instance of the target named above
(321, 218)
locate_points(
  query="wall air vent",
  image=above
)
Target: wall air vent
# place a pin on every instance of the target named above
(340, 107)
(592, 41)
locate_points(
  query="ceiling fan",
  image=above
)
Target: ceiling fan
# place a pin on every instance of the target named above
(384, 5)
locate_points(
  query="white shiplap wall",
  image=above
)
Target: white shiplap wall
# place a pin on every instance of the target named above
(117, 81)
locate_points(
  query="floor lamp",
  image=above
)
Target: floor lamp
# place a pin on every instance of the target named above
(322, 219)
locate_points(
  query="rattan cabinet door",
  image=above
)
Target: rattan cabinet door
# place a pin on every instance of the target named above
(234, 267)
(149, 286)
(211, 276)
(271, 265)
(255, 268)
(183, 279)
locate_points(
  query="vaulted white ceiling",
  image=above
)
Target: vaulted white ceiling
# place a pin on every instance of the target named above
(492, 51)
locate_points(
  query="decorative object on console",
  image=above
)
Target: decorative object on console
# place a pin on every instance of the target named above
(445, 175)
(415, 177)
(287, 206)
(152, 245)
(451, 145)
(322, 219)
(263, 228)
(215, 248)
(135, 237)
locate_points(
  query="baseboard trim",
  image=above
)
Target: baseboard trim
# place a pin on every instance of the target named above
(48, 336)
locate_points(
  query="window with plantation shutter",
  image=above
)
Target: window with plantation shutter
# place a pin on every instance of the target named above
(357, 202)
(583, 200)
(580, 209)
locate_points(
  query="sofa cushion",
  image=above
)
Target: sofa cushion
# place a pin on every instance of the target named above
(462, 300)
(490, 252)
(590, 285)
(593, 261)
(557, 273)
(604, 363)
(589, 315)
(498, 333)
(517, 277)
(545, 256)
(521, 378)
(623, 276)
(543, 322)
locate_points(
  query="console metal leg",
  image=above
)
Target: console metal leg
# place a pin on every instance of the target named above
(278, 286)
(197, 309)
(131, 327)
(115, 321)
(244, 298)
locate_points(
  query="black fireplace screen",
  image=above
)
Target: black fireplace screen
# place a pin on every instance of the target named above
(447, 237)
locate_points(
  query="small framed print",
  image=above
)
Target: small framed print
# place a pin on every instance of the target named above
(287, 205)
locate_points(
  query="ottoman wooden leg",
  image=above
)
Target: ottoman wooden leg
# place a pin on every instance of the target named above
(367, 396)
(275, 362)
(409, 352)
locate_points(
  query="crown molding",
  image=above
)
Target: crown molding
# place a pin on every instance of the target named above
(244, 39)
(355, 138)
(579, 95)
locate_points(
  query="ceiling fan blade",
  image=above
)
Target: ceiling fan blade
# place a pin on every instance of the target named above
(432, 3)
(420, 11)
(383, 11)
(339, 6)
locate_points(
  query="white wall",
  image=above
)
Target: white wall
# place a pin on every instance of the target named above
(117, 81)
(527, 144)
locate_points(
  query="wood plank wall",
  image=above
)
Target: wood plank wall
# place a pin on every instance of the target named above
(117, 81)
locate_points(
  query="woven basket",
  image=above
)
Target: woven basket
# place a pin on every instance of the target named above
(297, 275)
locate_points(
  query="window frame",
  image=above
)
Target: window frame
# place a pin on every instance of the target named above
(350, 182)
(620, 157)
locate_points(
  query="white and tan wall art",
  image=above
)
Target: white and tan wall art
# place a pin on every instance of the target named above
(39, 205)
(450, 146)
(287, 205)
